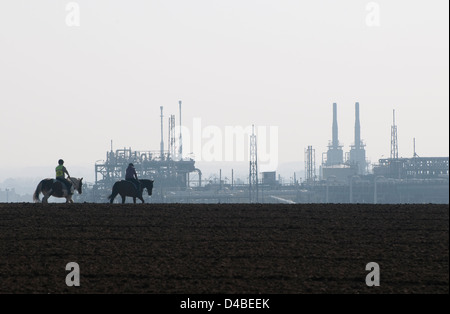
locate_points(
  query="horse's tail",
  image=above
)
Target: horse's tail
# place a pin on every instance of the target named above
(114, 193)
(37, 192)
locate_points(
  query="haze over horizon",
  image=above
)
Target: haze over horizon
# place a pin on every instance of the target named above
(67, 91)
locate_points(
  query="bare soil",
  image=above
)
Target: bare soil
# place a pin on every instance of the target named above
(223, 248)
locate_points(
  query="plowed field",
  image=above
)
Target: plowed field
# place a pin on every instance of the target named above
(223, 248)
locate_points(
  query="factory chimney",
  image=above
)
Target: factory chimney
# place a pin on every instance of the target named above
(357, 127)
(335, 156)
(162, 135)
(357, 151)
(335, 141)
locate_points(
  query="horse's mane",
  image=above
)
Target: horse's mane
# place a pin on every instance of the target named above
(76, 179)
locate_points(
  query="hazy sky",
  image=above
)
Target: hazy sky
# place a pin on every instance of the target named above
(66, 91)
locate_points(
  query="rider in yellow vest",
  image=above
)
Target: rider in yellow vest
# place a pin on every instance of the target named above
(60, 174)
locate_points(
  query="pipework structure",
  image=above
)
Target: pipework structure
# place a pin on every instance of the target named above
(167, 167)
(310, 165)
(148, 164)
(412, 168)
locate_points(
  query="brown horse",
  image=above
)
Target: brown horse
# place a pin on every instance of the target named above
(55, 188)
(127, 188)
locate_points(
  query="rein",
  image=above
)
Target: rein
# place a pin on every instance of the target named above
(75, 183)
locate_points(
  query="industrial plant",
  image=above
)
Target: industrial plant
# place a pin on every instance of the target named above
(342, 177)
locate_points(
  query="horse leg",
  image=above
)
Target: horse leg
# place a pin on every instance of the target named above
(134, 199)
(112, 196)
(142, 199)
(45, 198)
(123, 199)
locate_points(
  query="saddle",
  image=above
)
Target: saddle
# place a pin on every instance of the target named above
(67, 183)
(136, 187)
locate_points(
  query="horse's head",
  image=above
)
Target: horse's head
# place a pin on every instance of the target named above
(77, 184)
(148, 184)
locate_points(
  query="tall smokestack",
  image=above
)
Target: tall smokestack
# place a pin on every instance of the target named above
(357, 127)
(357, 151)
(162, 134)
(181, 140)
(335, 155)
(394, 140)
(335, 141)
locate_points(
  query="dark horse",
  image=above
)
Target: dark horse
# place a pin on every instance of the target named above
(127, 188)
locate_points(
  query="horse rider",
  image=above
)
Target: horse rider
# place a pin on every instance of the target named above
(61, 171)
(131, 175)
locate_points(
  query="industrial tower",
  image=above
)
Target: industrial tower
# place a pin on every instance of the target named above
(162, 135)
(181, 139)
(394, 142)
(335, 155)
(253, 172)
(310, 165)
(357, 151)
(172, 140)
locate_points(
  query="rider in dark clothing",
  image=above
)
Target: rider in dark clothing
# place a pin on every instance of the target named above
(131, 175)
(60, 175)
